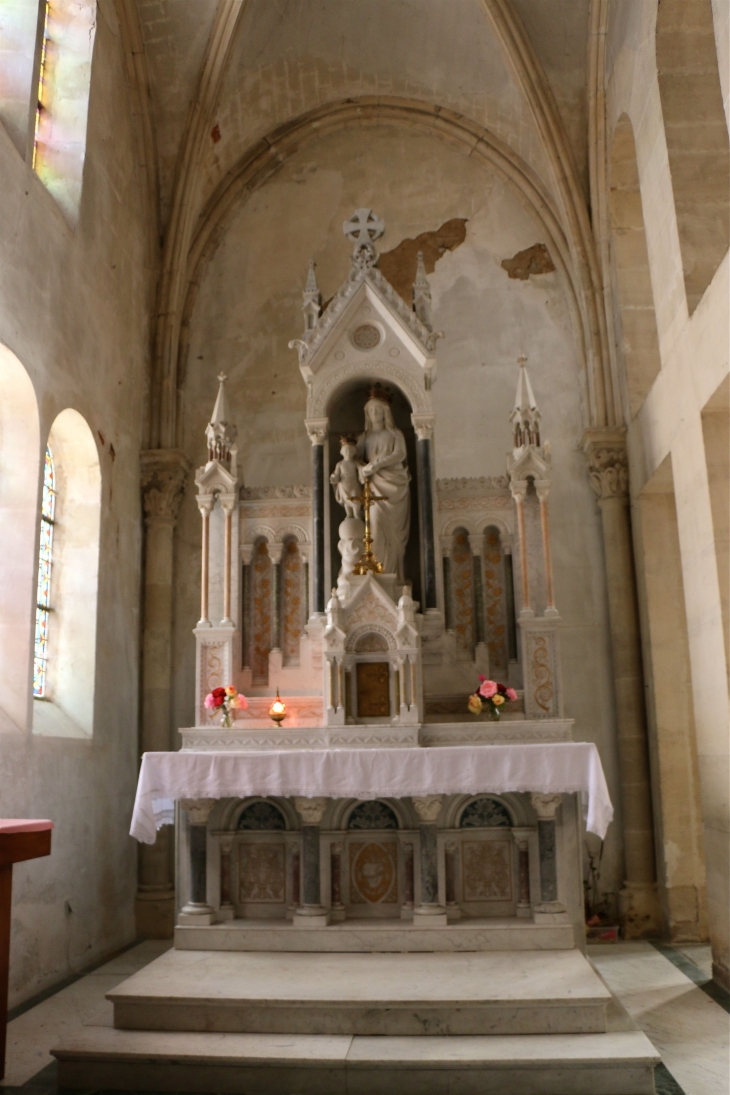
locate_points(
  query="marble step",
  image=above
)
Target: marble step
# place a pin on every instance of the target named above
(501, 992)
(620, 1062)
(377, 935)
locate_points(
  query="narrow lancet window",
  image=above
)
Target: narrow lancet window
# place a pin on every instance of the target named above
(40, 96)
(45, 561)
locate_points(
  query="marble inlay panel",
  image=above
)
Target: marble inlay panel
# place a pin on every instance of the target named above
(261, 873)
(486, 870)
(494, 600)
(373, 872)
(262, 589)
(463, 593)
(292, 602)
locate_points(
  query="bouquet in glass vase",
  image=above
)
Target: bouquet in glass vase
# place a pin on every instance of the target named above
(225, 700)
(489, 697)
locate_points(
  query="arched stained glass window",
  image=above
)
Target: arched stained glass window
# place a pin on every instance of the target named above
(45, 562)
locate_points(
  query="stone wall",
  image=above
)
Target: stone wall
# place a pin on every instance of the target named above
(73, 309)
(668, 459)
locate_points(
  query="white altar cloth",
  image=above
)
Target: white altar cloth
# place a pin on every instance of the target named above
(550, 767)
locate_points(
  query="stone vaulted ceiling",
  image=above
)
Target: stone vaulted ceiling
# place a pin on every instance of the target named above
(288, 56)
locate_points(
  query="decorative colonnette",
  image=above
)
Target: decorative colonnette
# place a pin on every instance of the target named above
(433, 859)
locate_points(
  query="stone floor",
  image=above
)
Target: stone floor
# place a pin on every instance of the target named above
(665, 989)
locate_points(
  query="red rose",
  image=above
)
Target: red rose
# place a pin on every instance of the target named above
(502, 689)
(218, 692)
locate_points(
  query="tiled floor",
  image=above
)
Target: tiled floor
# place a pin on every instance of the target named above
(660, 987)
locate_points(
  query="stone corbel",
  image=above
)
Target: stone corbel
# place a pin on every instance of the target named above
(544, 805)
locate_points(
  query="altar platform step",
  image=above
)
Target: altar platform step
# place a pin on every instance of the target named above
(504, 993)
(619, 1062)
(391, 936)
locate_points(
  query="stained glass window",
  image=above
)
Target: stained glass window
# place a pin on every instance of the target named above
(41, 82)
(43, 599)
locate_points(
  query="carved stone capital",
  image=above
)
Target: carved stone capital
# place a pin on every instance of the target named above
(310, 810)
(542, 489)
(545, 806)
(423, 425)
(608, 465)
(198, 809)
(317, 429)
(205, 504)
(518, 487)
(228, 502)
(163, 473)
(428, 808)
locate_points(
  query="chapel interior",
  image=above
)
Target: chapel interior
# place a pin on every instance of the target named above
(354, 355)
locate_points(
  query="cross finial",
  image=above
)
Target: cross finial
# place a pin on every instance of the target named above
(364, 226)
(222, 377)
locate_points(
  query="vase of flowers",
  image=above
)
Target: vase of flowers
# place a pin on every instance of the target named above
(490, 697)
(225, 700)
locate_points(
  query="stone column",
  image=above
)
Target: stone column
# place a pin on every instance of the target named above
(205, 505)
(542, 489)
(163, 481)
(226, 846)
(337, 911)
(197, 910)
(519, 493)
(521, 838)
(429, 913)
(311, 913)
(423, 425)
(406, 910)
(228, 504)
(317, 430)
(453, 909)
(448, 599)
(247, 621)
(609, 475)
(545, 806)
(292, 840)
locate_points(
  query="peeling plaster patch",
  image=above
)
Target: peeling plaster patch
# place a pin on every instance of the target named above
(533, 260)
(399, 265)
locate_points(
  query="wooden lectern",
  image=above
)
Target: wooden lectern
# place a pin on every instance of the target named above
(19, 840)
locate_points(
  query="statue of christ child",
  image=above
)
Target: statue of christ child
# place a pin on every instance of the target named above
(382, 450)
(345, 478)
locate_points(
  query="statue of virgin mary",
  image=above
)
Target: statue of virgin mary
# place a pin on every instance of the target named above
(382, 449)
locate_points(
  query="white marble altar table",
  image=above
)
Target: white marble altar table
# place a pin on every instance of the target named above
(549, 767)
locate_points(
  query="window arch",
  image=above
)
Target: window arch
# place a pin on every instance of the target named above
(19, 464)
(65, 707)
(45, 565)
(697, 137)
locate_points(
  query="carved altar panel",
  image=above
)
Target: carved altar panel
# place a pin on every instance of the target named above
(261, 873)
(486, 870)
(373, 872)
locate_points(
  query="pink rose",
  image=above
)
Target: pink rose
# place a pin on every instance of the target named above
(242, 702)
(487, 689)
(209, 701)
(511, 694)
